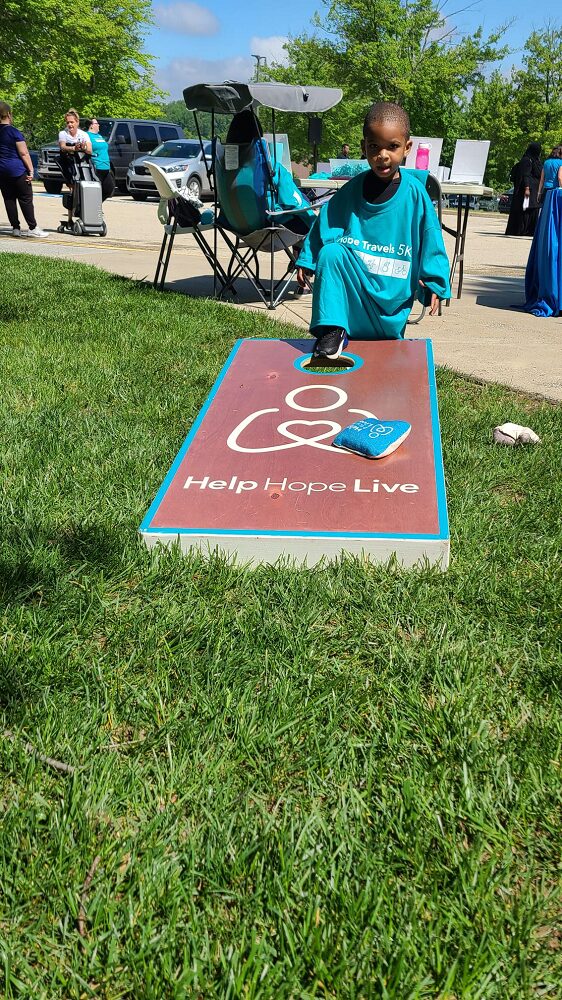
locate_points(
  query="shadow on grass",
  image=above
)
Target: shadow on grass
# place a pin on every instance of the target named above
(27, 576)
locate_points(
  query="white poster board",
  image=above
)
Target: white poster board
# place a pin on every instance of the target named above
(469, 161)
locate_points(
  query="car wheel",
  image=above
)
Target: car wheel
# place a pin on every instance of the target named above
(52, 187)
(194, 187)
(138, 195)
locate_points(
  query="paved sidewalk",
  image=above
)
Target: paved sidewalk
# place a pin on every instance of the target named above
(484, 334)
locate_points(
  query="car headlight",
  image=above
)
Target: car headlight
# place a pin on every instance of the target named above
(172, 169)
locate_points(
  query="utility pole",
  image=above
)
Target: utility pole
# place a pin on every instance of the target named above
(259, 61)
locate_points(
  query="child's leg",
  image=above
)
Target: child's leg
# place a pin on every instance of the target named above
(342, 296)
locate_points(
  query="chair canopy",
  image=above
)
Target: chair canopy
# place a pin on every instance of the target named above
(231, 97)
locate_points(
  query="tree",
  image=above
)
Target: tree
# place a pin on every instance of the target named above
(538, 87)
(176, 111)
(89, 55)
(524, 107)
(492, 114)
(392, 50)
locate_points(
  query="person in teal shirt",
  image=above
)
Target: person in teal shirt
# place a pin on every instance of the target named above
(100, 158)
(375, 246)
(551, 176)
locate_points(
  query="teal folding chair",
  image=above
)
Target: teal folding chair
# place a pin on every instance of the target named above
(433, 188)
(247, 189)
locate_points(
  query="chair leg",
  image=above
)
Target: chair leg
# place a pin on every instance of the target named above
(168, 254)
(245, 261)
(160, 259)
(271, 268)
(239, 264)
(414, 322)
(280, 286)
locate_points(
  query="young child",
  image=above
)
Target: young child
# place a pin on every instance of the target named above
(375, 245)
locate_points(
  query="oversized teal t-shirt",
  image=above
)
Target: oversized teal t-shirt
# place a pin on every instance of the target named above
(391, 248)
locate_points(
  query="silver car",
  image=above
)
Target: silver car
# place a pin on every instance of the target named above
(183, 162)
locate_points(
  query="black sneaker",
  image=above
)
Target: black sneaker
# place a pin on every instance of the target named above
(328, 346)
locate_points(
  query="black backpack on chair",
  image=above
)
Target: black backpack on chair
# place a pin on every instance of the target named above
(185, 213)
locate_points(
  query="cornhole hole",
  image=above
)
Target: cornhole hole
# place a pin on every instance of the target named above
(258, 476)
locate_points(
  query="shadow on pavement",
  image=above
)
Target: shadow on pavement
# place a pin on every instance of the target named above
(496, 291)
(201, 286)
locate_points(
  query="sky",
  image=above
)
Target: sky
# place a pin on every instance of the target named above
(215, 40)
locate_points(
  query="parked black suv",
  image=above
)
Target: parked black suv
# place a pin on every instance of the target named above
(127, 138)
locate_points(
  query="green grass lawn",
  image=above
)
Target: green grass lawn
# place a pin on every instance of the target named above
(339, 782)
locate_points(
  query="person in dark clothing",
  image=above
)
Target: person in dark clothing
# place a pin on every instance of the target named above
(526, 176)
(16, 175)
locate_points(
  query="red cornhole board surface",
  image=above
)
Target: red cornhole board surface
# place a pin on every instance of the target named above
(258, 476)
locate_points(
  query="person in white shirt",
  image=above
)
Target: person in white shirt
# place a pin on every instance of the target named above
(72, 140)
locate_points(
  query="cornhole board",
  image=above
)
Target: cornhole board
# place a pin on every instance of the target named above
(258, 477)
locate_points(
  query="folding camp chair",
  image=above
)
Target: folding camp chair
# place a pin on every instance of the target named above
(433, 188)
(245, 179)
(245, 191)
(169, 217)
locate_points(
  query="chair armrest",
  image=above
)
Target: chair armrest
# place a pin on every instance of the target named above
(288, 211)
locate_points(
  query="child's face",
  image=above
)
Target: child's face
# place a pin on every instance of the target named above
(385, 146)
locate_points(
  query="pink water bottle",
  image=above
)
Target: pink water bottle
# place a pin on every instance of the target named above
(422, 156)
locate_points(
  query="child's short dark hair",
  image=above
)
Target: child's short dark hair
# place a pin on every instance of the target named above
(386, 113)
(556, 153)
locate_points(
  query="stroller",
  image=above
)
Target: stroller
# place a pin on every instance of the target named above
(84, 199)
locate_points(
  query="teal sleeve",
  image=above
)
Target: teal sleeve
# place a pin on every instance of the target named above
(311, 246)
(329, 226)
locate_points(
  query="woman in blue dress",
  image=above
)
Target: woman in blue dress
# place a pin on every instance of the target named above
(543, 277)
